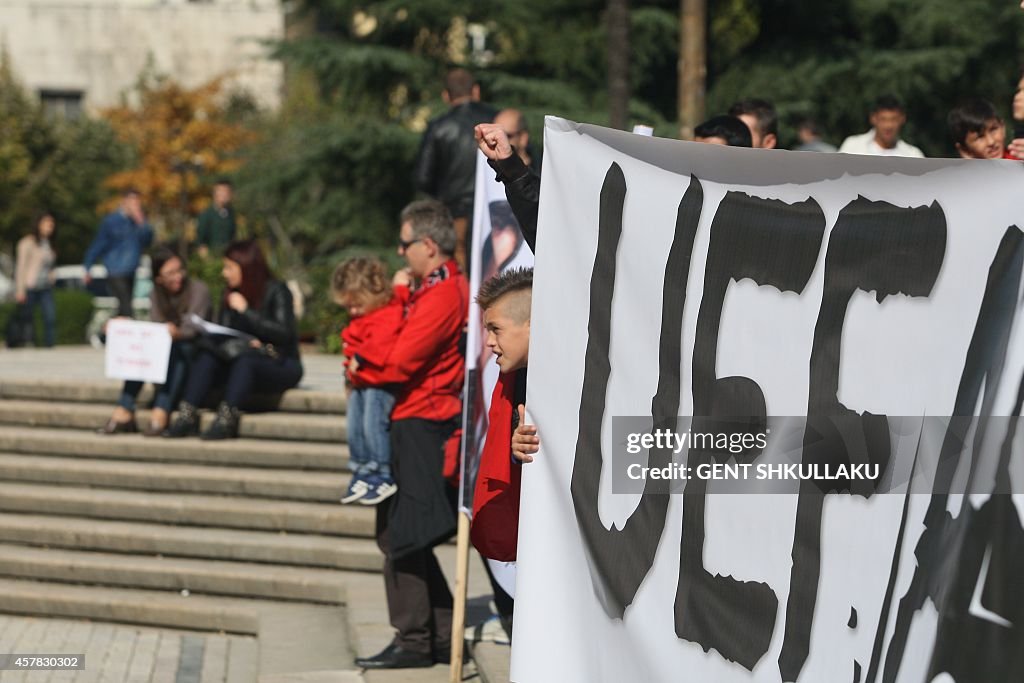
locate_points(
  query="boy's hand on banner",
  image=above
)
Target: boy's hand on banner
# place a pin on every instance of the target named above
(525, 441)
(493, 141)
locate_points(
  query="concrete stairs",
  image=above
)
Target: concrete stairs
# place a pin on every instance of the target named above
(243, 536)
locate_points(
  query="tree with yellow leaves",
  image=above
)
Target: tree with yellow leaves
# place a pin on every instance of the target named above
(183, 139)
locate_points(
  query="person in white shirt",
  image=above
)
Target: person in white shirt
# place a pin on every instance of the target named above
(887, 118)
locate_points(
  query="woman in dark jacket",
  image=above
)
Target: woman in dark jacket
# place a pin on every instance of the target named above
(267, 361)
(173, 299)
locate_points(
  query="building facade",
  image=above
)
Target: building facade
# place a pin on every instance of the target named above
(84, 55)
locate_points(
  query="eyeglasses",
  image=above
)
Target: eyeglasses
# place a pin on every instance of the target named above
(403, 245)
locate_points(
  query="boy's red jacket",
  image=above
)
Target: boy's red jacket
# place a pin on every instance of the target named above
(372, 336)
(495, 528)
(425, 360)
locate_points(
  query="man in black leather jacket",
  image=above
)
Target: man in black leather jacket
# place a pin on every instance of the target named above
(446, 163)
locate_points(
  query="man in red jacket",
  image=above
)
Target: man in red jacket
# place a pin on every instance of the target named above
(428, 366)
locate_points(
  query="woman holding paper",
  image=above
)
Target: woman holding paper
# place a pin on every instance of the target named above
(258, 354)
(172, 301)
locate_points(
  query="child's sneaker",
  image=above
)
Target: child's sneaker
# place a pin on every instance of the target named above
(380, 487)
(357, 489)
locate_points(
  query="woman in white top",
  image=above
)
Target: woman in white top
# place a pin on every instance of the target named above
(33, 275)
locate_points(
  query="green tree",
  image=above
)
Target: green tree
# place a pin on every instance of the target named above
(53, 165)
(831, 63)
(365, 77)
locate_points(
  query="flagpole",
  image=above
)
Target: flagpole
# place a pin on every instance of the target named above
(461, 591)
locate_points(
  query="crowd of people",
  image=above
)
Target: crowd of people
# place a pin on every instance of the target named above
(403, 347)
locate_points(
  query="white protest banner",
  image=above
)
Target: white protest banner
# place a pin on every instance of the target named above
(680, 279)
(137, 350)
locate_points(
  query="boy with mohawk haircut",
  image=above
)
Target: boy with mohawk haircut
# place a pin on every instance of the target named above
(505, 300)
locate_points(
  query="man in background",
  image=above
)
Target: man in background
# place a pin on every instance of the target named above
(887, 119)
(216, 227)
(513, 123)
(1017, 145)
(123, 236)
(809, 135)
(760, 117)
(446, 164)
(723, 130)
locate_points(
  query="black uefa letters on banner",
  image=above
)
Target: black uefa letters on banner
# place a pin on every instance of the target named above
(873, 247)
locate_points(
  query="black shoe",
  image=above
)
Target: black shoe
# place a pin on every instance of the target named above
(186, 423)
(396, 657)
(226, 424)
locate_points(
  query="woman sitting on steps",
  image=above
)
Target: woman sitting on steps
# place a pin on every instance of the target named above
(173, 298)
(261, 307)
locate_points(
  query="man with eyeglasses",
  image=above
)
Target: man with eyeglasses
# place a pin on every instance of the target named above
(428, 368)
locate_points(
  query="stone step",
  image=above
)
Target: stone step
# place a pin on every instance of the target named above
(360, 554)
(107, 391)
(493, 662)
(244, 452)
(276, 425)
(318, 486)
(132, 606)
(189, 509)
(206, 577)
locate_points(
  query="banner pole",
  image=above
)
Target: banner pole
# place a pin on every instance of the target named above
(461, 591)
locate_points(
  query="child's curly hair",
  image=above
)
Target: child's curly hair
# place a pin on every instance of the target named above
(364, 277)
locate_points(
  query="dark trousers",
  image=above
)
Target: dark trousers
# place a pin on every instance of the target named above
(121, 288)
(167, 394)
(43, 298)
(247, 374)
(419, 600)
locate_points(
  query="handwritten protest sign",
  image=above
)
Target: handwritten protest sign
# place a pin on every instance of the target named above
(137, 351)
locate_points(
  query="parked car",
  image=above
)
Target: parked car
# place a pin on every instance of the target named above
(104, 305)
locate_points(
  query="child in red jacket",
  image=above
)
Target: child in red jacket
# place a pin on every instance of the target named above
(376, 313)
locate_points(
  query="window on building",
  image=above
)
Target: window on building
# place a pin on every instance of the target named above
(61, 104)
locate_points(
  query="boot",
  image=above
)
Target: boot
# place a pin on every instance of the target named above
(226, 424)
(186, 423)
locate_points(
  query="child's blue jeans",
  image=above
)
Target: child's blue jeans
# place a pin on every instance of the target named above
(369, 431)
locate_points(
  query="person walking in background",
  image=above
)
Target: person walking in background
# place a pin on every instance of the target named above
(216, 228)
(172, 300)
(446, 163)
(122, 237)
(887, 119)
(33, 279)
(265, 361)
